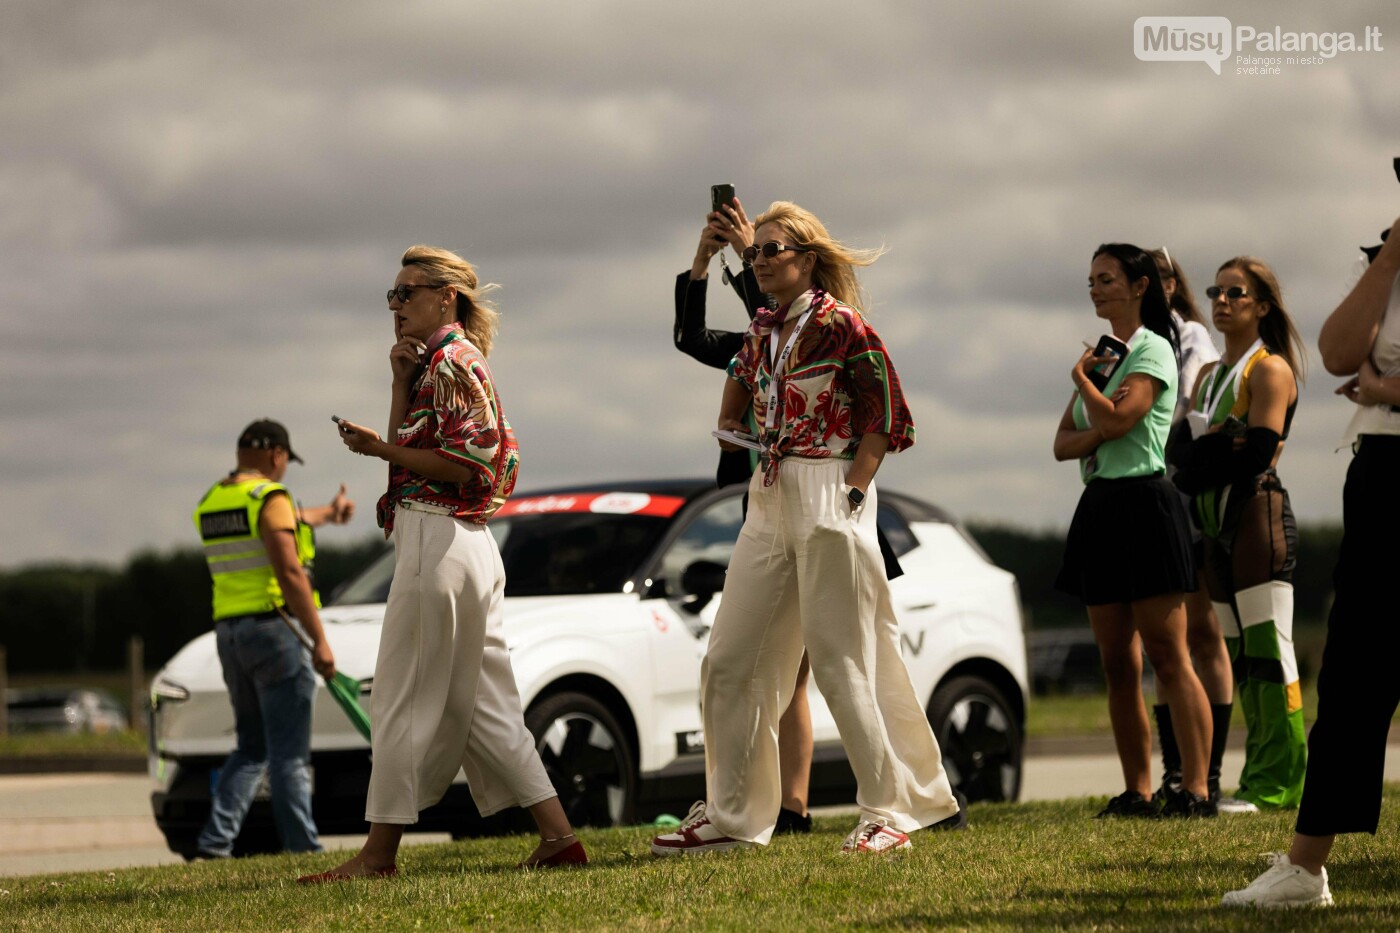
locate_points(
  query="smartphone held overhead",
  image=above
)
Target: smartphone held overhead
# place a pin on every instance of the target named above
(720, 195)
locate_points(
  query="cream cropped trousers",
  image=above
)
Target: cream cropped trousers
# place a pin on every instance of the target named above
(444, 694)
(807, 570)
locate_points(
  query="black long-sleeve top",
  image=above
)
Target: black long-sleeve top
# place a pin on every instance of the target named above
(711, 347)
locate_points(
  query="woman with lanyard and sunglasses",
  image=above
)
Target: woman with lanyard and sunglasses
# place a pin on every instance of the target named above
(717, 348)
(1240, 419)
(806, 568)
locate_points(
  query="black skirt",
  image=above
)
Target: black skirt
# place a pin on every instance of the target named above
(1129, 540)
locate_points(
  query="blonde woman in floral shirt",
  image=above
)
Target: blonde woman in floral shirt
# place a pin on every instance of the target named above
(807, 568)
(444, 693)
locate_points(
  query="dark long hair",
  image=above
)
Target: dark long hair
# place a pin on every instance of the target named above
(1137, 264)
(1275, 328)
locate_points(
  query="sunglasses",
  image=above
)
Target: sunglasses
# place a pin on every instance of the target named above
(770, 250)
(405, 292)
(1233, 292)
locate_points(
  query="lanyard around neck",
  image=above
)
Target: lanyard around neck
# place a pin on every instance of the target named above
(780, 365)
(1216, 392)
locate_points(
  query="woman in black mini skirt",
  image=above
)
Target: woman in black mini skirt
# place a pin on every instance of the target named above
(1128, 553)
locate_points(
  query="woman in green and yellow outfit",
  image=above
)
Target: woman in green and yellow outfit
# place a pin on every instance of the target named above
(1242, 411)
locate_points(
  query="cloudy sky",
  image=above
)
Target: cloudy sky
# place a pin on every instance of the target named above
(202, 204)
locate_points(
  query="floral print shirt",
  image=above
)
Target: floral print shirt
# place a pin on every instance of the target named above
(839, 385)
(454, 411)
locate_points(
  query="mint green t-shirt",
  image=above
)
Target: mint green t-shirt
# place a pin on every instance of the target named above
(1140, 452)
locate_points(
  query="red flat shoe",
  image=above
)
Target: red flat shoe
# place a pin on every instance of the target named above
(573, 855)
(328, 876)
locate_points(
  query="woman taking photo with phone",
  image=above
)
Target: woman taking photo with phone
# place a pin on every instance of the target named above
(1243, 409)
(444, 694)
(807, 568)
(1127, 555)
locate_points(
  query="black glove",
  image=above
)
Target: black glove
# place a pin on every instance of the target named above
(1212, 461)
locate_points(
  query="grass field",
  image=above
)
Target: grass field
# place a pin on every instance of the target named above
(1019, 866)
(123, 744)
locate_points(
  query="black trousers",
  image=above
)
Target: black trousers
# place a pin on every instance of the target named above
(1357, 687)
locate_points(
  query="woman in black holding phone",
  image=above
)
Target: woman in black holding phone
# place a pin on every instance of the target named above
(1127, 555)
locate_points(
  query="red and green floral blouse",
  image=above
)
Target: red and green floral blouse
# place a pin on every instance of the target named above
(839, 385)
(455, 412)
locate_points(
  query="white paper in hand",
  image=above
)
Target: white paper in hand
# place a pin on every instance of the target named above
(738, 438)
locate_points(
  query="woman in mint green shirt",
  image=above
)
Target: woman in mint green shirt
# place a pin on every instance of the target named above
(1128, 552)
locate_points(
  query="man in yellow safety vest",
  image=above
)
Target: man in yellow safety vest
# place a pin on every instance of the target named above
(259, 547)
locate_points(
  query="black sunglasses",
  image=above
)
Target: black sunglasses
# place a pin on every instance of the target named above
(405, 292)
(770, 250)
(1233, 292)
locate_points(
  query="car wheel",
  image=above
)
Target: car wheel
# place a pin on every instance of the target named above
(979, 737)
(587, 756)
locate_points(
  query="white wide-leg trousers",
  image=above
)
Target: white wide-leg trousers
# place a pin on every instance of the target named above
(444, 695)
(807, 570)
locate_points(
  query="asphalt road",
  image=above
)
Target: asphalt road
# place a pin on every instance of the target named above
(99, 822)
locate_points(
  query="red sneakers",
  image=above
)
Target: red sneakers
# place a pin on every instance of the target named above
(875, 837)
(695, 835)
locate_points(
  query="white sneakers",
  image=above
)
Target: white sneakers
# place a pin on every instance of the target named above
(1234, 805)
(696, 834)
(874, 837)
(1283, 885)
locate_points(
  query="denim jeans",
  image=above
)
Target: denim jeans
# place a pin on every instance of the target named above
(270, 684)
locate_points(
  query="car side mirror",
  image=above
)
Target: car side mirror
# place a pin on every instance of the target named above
(702, 580)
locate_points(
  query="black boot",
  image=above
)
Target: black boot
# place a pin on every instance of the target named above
(1171, 755)
(1219, 734)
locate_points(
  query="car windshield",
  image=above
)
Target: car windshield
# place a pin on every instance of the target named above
(553, 554)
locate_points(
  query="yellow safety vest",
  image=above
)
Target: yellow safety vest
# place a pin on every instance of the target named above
(227, 521)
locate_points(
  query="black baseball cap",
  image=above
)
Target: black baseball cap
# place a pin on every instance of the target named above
(266, 434)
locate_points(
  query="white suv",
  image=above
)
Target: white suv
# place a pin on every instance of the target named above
(610, 594)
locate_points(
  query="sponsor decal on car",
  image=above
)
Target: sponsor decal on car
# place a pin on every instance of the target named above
(612, 503)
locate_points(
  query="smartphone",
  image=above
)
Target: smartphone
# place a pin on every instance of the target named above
(1111, 346)
(721, 195)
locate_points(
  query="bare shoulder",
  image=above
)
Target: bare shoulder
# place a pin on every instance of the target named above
(1274, 370)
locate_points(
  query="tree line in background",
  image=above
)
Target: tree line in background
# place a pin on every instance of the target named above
(67, 617)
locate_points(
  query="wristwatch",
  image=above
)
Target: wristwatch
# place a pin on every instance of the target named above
(855, 496)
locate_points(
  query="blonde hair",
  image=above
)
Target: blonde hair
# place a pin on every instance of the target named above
(479, 318)
(1275, 328)
(835, 268)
